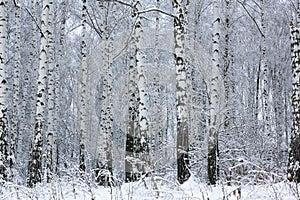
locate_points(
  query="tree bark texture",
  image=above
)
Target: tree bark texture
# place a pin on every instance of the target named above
(3, 92)
(294, 153)
(213, 171)
(35, 162)
(182, 115)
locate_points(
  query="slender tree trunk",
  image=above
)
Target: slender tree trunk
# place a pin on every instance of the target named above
(182, 146)
(143, 137)
(105, 162)
(137, 149)
(16, 91)
(157, 127)
(83, 92)
(265, 71)
(35, 162)
(34, 56)
(28, 104)
(294, 153)
(279, 117)
(51, 128)
(213, 172)
(132, 115)
(3, 92)
(57, 77)
(227, 64)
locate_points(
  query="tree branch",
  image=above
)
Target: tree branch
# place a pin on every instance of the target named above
(143, 11)
(120, 2)
(16, 4)
(156, 10)
(34, 19)
(253, 19)
(92, 25)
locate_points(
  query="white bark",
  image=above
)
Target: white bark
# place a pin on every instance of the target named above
(227, 63)
(58, 83)
(137, 150)
(28, 107)
(265, 71)
(51, 121)
(132, 111)
(106, 131)
(35, 162)
(294, 155)
(3, 91)
(83, 92)
(142, 83)
(181, 92)
(214, 101)
(157, 127)
(16, 90)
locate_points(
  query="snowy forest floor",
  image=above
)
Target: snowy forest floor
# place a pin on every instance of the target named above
(149, 189)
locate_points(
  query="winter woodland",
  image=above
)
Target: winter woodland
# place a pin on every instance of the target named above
(150, 99)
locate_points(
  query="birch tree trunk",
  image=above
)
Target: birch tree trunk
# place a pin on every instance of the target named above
(213, 171)
(35, 161)
(28, 104)
(16, 91)
(57, 86)
(3, 92)
(265, 71)
(227, 63)
(294, 153)
(83, 92)
(182, 146)
(157, 127)
(51, 128)
(143, 137)
(137, 149)
(132, 116)
(266, 107)
(105, 149)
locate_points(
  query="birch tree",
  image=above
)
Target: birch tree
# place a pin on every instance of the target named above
(83, 92)
(182, 146)
(294, 153)
(137, 150)
(3, 91)
(212, 165)
(16, 92)
(51, 128)
(57, 75)
(227, 60)
(143, 141)
(265, 71)
(132, 114)
(157, 129)
(106, 129)
(35, 161)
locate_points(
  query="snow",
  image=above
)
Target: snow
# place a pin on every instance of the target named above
(150, 188)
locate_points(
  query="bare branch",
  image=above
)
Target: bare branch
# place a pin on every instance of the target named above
(16, 4)
(92, 25)
(253, 19)
(156, 10)
(34, 19)
(118, 1)
(143, 11)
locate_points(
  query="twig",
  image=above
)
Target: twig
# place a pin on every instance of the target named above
(157, 10)
(36, 23)
(253, 19)
(120, 2)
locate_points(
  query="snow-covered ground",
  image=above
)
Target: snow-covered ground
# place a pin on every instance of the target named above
(155, 188)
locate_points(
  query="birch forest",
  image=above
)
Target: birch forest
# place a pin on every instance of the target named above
(149, 99)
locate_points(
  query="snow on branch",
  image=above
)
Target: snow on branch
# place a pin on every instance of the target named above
(156, 10)
(142, 11)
